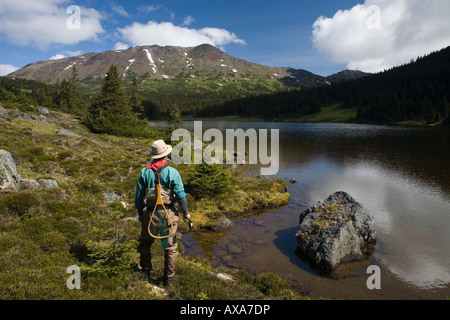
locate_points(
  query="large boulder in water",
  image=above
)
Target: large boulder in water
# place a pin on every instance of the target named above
(336, 230)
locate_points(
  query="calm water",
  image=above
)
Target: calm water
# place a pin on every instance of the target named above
(402, 175)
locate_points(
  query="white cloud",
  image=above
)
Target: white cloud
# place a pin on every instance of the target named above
(188, 20)
(148, 8)
(117, 8)
(380, 34)
(72, 53)
(6, 69)
(121, 46)
(166, 33)
(58, 56)
(45, 22)
(66, 54)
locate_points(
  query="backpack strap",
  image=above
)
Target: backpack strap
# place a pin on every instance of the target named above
(161, 234)
(158, 173)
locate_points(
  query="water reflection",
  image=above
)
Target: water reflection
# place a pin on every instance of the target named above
(400, 174)
(412, 222)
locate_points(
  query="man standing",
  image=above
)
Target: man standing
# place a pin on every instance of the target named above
(172, 189)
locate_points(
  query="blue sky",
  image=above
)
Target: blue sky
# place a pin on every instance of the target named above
(322, 36)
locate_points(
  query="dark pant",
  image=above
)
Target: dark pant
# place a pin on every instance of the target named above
(170, 244)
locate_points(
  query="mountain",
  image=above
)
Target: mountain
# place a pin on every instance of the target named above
(190, 79)
(202, 72)
(346, 75)
(162, 63)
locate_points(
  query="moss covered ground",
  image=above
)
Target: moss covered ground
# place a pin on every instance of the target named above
(90, 220)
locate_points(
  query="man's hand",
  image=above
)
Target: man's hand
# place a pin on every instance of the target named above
(188, 216)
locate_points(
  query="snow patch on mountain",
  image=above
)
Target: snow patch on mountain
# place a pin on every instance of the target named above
(128, 67)
(131, 62)
(152, 63)
(70, 66)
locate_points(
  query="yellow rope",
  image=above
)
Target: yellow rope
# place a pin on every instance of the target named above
(160, 202)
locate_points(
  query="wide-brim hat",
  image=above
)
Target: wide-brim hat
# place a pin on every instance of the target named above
(160, 149)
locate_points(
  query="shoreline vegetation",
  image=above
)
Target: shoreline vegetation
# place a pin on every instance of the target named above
(89, 220)
(328, 114)
(413, 94)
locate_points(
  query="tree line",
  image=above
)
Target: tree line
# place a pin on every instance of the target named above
(418, 91)
(277, 106)
(415, 91)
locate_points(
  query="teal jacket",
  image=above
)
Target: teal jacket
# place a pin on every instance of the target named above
(170, 179)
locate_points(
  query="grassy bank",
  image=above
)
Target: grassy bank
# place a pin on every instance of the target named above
(334, 114)
(90, 220)
(329, 114)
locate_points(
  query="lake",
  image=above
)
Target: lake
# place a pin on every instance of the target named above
(400, 174)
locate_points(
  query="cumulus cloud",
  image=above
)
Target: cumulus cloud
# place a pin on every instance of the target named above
(47, 22)
(121, 46)
(6, 69)
(58, 56)
(166, 33)
(380, 34)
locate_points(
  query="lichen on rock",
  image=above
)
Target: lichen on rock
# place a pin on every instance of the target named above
(9, 177)
(336, 231)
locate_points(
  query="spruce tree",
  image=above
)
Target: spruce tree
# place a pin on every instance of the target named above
(175, 118)
(67, 95)
(136, 100)
(110, 112)
(208, 180)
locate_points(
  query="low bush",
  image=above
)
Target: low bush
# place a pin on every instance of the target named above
(208, 180)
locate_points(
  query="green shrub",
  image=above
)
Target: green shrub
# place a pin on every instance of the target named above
(20, 203)
(88, 185)
(208, 180)
(64, 155)
(118, 129)
(109, 258)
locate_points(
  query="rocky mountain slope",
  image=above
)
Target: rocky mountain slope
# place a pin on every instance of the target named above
(161, 63)
(190, 78)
